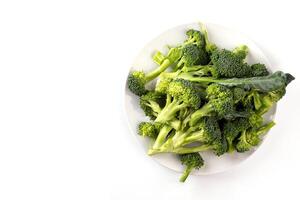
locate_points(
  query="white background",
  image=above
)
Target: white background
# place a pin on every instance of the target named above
(63, 133)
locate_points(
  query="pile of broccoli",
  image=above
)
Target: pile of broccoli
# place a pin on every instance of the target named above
(209, 99)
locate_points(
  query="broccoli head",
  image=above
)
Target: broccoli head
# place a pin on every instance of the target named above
(191, 161)
(229, 64)
(220, 103)
(195, 37)
(259, 70)
(232, 129)
(191, 55)
(152, 102)
(252, 137)
(147, 129)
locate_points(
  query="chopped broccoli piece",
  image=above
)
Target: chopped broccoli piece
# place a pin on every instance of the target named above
(147, 129)
(252, 137)
(180, 94)
(191, 161)
(152, 102)
(259, 70)
(232, 129)
(137, 79)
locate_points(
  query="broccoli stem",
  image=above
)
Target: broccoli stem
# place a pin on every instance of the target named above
(168, 148)
(152, 75)
(230, 147)
(204, 111)
(186, 173)
(161, 136)
(262, 130)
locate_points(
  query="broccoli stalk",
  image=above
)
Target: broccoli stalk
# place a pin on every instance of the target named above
(218, 146)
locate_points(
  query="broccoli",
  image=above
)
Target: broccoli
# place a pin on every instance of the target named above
(251, 138)
(152, 102)
(147, 129)
(191, 161)
(209, 46)
(241, 51)
(137, 79)
(220, 103)
(191, 55)
(206, 131)
(238, 94)
(180, 94)
(269, 99)
(232, 129)
(259, 69)
(229, 64)
(195, 37)
(218, 146)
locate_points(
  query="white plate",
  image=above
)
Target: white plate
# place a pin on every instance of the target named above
(223, 37)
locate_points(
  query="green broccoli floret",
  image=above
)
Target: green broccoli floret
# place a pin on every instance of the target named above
(206, 131)
(232, 129)
(269, 99)
(191, 55)
(241, 51)
(191, 161)
(259, 70)
(252, 100)
(137, 79)
(148, 129)
(238, 94)
(152, 102)
(195, 37)
(252, 137)
(180, 94)
(220, 103)
(229, 64)
(224, 64)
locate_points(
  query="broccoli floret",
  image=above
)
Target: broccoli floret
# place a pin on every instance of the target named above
(191, 161)
(232, 129)
(238, 94)
(241, 51)
(252, 137)
(191, 55)
(180, 94)
(148, 129)
(162, 85)
(220, 103)
(206, 131)
(137, 79)
(259, 69)
(269, 99)
(252, 100)
(152, 102)
(195, 37)
(229, 64)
